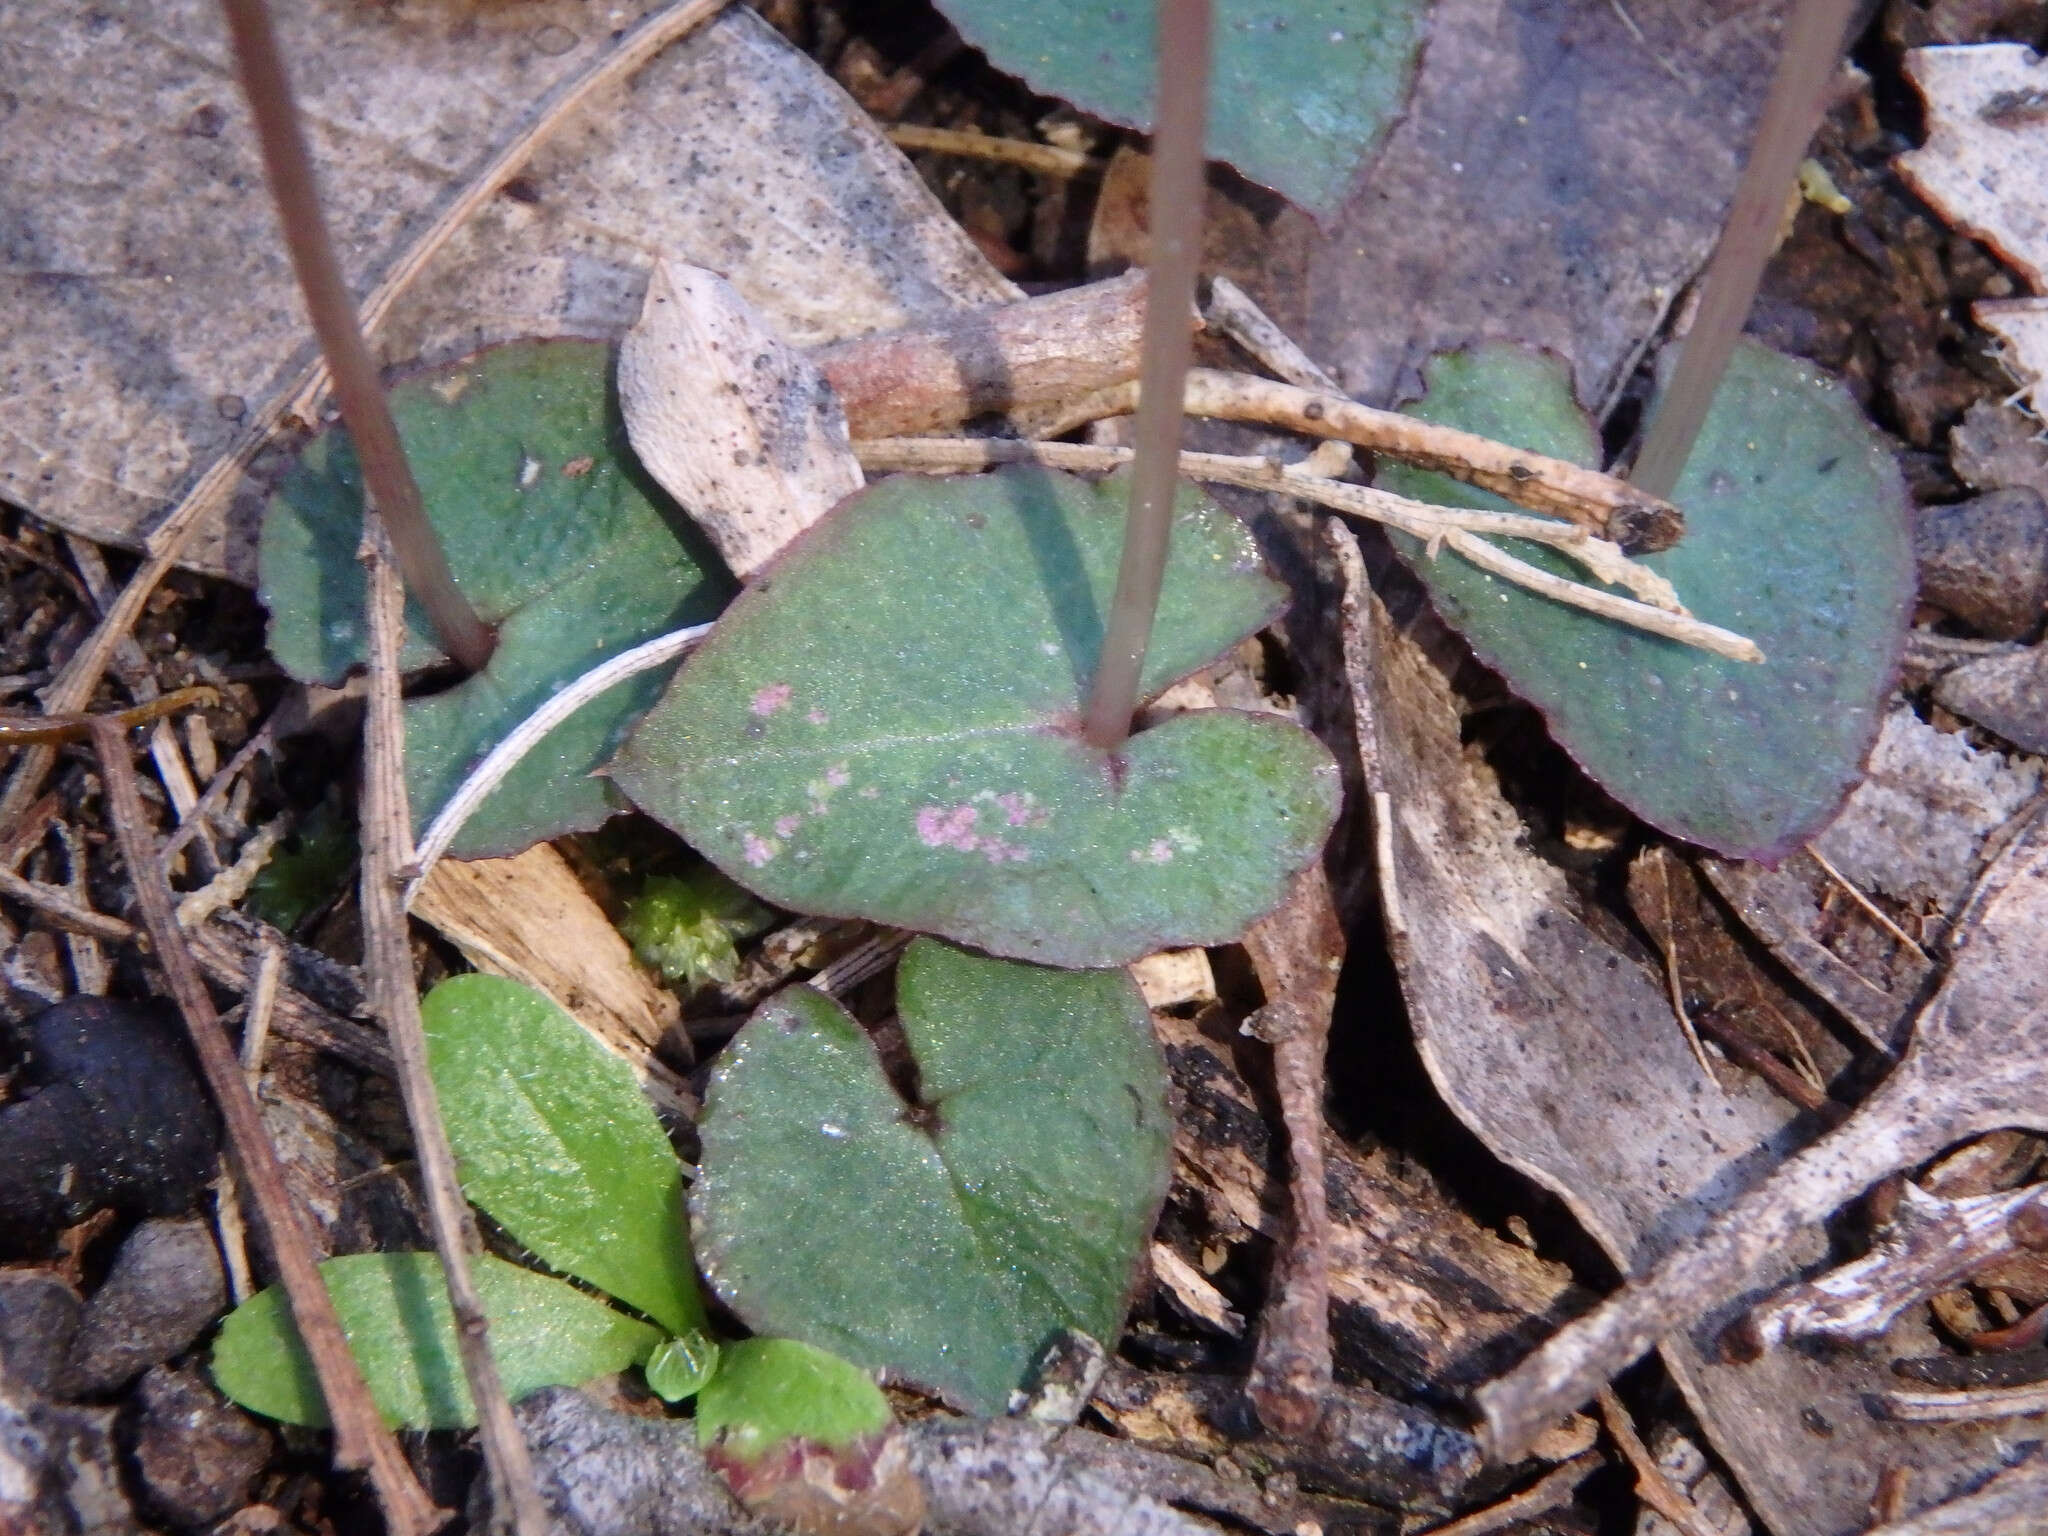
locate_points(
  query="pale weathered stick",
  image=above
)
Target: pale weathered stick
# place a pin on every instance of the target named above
(1611, 508)
(1036, 352)
(954, 455)
(360, 1438)
(1234, 313)
(80, 677)
(1045, 159)
(387, 958)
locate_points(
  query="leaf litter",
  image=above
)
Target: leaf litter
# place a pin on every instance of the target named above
(1916, 853)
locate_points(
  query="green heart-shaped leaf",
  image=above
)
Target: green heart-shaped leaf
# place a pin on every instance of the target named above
(884, 726)
(551, 529)
(951, 1241)
(766, 1391)
(394, 1309)
(1302, 90)
(554, 1138)
(1796, 536)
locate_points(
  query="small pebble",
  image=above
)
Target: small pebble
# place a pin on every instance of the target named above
(1985, 561)
(165, 1289)
(38, 1321)
(194, 1452)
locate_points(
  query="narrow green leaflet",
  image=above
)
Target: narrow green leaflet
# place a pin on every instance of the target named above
(552, 530)
(1796, 536)
(885, 726)
(555, 1140)
(948, 1242)
(770, 1390)
(394, 1309)
(1302, 93)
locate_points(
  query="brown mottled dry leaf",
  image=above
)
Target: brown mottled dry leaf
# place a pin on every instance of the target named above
(151, 308)
(1560, 176)
(1555, 1043)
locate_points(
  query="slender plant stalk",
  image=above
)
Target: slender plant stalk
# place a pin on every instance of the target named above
(1177, 188)
(1799, 91)
(357, 389)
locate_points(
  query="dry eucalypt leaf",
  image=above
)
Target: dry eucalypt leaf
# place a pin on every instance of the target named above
(1973, 1066)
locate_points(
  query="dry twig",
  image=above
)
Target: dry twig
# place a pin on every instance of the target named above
(1045, 159)
(360, 1438)
(1653, 1487)
(953, 455)
(1599, 503)
(387, 956)
(1297, 951)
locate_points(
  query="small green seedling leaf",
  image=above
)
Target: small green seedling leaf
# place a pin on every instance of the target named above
(1303, 90)
(394, 1309)
(680, 1367)
(308, 869)
(1796, 536)
(552, 530)
(949, 1241)
(555, 1140)
(885, 725)
(767, 1391)
(689, 927)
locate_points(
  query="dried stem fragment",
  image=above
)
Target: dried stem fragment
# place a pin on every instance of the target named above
(360, 1437)
(387, 957)
(952, 455)
(1297, 951)
(1598, 503)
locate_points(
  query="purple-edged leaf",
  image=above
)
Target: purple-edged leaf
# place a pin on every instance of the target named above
(949, 1243)
(885, 725)
(1796, 536)
(1302, 90)
(552, 530)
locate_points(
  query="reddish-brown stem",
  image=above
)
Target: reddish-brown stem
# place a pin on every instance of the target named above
(1799, 90)
(357, 389)
(360, 1438)
(1176, 216)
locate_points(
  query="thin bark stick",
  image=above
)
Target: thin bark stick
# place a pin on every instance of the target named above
(1603, 505)
(1037, 352)
(1297, 951)
(1813, 46)
(80, 678)
(359, 391)
(1653, 1485)
(387, 956)
(360, 1438)
(1454, 527)
(62, 909)
(1176, 202)
(1045, 159)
